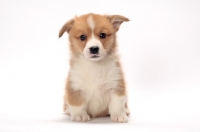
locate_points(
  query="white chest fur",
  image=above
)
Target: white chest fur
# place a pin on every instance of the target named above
(95, 80)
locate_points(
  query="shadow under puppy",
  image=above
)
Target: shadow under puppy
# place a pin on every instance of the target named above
(95, 85)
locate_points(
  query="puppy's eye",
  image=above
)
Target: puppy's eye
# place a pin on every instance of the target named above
(102, 35)
(83, 37)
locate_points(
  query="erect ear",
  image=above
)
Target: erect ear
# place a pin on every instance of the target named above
(117, 20)
(66, 27)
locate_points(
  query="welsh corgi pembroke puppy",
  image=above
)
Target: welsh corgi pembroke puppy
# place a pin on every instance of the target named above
(95, 85)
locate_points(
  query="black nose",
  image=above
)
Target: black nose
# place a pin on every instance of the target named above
(94, 50)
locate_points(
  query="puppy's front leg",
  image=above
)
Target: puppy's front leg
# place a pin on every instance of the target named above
(77, 106)
(117, 108)
(78, 113)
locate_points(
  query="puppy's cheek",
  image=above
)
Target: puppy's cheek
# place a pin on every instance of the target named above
(102, 52)
(86, 53)
(77, 47)
(109, 43)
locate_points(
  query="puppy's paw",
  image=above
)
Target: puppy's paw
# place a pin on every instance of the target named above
(119, 119)
(80, 118)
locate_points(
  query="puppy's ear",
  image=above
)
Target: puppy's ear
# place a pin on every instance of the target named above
(66, 27)
(117, 20)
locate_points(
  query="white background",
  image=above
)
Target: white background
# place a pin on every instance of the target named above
(160, 54)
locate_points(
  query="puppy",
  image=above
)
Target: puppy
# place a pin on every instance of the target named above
(95, 85)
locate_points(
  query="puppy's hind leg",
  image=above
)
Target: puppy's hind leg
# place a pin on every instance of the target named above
(77, 105)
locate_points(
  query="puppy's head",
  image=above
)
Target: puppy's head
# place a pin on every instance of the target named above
(92, 35)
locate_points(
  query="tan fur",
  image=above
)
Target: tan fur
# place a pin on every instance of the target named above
(117, 20)
(74, 97)
(66, 27)
(77, 27)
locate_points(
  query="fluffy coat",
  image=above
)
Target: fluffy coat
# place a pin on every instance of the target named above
(95, 85)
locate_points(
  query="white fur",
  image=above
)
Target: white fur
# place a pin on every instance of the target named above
(91, 22)
(97, 80)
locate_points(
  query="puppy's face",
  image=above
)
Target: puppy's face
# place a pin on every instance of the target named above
(92, 35)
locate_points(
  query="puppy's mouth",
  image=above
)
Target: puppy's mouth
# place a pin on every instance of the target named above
(95, 56)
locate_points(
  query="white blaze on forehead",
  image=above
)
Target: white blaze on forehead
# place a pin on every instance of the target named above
(91, 22)
(92, 41)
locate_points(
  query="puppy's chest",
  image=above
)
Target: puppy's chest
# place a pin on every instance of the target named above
(95, 77)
